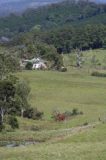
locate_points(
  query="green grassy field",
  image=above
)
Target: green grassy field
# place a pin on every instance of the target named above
(98, 55)
(66, 140)
(88, 145)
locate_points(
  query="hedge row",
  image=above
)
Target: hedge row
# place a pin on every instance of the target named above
(98, 74)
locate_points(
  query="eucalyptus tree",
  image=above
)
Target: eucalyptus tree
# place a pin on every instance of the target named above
(8, 64)
(7, 93)
(22, 94)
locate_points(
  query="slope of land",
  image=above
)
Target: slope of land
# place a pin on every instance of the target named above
(56, 15)
(81, 137)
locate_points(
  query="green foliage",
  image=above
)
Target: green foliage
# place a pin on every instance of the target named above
(92, 59)
(85, 124)
(33, 114)
(67, 25)
(63, 69)
(1, 126)
(73, 89)
(13, 99)
(58, 116)
(75, 111)
(29, 66)
(86, 37)
(7, 92)
(8, 63)
(65, 13)
(43, 50)
(98, 74)
(13, 122)
(22, 93)
(22, 89)
(66, 38)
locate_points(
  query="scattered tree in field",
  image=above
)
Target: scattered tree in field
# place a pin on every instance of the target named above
(7, 93)
(8, 64)
(94, 61)
(22, 93)
(13, 99)
(79, 58)
(13, 122)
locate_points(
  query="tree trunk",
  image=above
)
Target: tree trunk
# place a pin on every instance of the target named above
(1, 116)
(22, 112)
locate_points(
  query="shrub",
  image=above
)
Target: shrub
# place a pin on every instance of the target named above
(85, 124)
(98, 74)
(61, 117)
(68, 113)
(1, 127)
(63, 69)
(75, 112)
(33, 114)
(57, 116)
(13, 122)
(37, 114)
(29, 66)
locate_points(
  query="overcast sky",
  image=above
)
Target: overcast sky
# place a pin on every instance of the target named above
(3, 1)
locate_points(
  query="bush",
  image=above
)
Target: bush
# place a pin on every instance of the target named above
(85, 124)
(33, 114)
(1, 127)
(75, 112)
(29, 66)
(57, 116)
(13, 122)
(37, 114)
(63, 69)
(68, 113)
(98, 74)
(28, 113)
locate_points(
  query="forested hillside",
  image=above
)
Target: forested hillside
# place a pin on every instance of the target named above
(19, 6)
(62, 14)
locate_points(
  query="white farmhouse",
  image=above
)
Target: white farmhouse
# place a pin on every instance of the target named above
(38, 63)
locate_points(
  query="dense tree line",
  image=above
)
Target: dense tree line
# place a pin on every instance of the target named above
(47, 43)
(89, 36)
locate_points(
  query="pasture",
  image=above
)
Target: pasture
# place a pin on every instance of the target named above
(83, 137)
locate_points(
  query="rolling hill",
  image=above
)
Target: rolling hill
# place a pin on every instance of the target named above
(19, 6)
(53, 16)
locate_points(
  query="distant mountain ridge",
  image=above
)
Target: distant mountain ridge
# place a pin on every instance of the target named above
(67, 13)
(18, 6)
